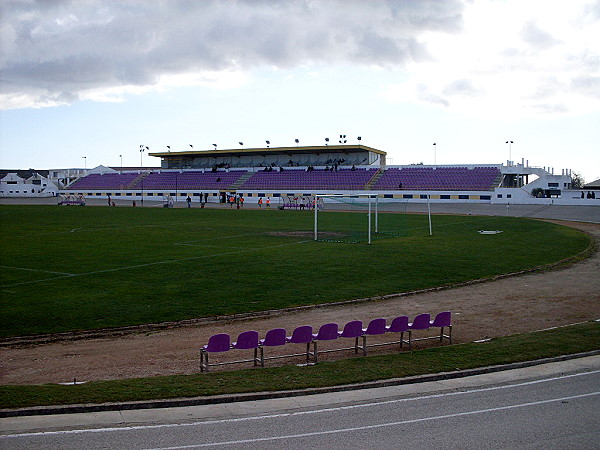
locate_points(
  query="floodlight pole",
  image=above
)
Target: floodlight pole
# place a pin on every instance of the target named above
(377, 214)
(316, 220)
(369, 219)
(429, 213)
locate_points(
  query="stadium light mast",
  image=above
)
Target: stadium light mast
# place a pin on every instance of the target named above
(241, 143)
(359, 139)
(343, 139)
(268, 143)
(84, 163)
(297, 141)
(143, 148)
(215, 146)
(121, 156)
(510, 143)
(434, 154)
(326, 141)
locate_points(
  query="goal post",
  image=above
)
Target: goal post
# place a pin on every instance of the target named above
(354, 218)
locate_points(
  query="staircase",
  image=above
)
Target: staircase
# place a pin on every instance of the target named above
(374, 179)
(136, 180)
(240, 181)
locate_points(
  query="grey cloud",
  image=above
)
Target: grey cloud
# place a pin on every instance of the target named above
(461, 87)
(536, 37)
(587, 85)
(72, 46)
(593, 10)
(550, 108)
(427, 96)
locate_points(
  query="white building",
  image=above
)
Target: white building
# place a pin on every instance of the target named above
(12, 185)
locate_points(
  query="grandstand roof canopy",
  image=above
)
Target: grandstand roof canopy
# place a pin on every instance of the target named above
(273, 151)
(277, 156)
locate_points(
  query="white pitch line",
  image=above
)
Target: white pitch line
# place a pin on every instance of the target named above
(215, 246)
(137, 266)
(36, 270)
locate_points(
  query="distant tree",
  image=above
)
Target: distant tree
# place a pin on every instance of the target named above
(537, 192)
(577, 181)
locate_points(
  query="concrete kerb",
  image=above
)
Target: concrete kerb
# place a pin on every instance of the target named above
(254, 396)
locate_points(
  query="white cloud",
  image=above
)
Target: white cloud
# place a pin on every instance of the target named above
(78, 49)
(514, 59)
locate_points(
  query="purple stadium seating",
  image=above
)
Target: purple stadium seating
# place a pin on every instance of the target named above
(105, 181)
(345, 179)
(417, 178)
(439, 178)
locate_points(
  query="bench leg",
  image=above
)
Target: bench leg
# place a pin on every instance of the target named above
(203, 362)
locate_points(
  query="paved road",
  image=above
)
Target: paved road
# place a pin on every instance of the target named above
(550, 406)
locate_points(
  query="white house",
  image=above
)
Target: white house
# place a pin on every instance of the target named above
(12, 185)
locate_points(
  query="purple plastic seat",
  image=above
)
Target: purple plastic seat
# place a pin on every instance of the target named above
(327, 332)
(443, 320)
(420, 322)
(400, 325)
(273, 338)
(302, 335)
(248, 340)
(354, 330)
(375, 327)
(217, 343)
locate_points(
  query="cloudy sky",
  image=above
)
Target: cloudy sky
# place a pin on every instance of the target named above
(86, 82)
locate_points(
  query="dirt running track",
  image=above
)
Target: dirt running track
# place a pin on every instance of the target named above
(502, 307)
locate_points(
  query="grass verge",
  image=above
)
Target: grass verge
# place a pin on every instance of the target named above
(503, 350)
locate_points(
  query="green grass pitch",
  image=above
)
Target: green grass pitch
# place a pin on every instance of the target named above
(81, 268)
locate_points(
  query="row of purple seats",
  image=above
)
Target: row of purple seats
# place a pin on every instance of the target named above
(105, 181)
(249, 340)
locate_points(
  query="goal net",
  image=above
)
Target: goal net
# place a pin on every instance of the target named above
(358, 218)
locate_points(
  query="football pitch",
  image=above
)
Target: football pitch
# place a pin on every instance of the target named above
(82, 268)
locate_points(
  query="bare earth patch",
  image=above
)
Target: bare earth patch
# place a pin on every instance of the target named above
(304, 234)
(506, 306)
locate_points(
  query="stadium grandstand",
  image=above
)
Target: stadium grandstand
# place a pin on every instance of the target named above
(282, 172)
